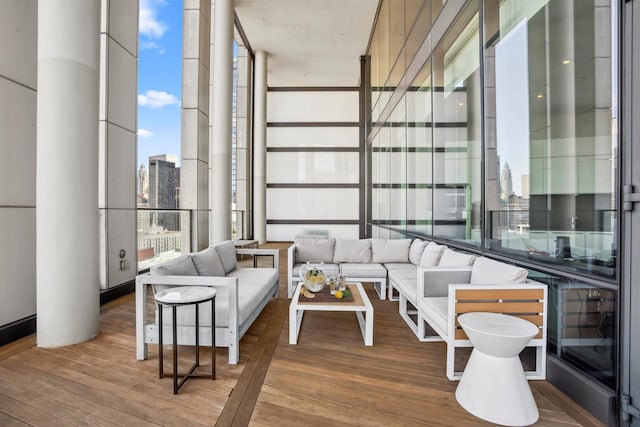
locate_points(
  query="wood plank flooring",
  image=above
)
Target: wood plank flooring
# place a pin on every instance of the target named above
(330, 378)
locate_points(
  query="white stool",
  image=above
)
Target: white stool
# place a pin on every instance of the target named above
(186, 295)
(493, 386)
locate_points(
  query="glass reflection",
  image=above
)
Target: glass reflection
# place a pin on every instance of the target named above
(550, 99)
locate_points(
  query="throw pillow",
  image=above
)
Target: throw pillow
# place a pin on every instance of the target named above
(431, 255)
(181, 266)
(489, 272)
(227, 253)
(352, 251)
(415, 250)
(315, 250)
(451, 258)
(390, 250)
(208, 263)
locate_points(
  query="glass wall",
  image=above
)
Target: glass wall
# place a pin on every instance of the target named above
(494, 129)
(551, 129)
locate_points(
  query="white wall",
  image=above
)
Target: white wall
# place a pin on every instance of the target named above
(18, 31)
(300, 121)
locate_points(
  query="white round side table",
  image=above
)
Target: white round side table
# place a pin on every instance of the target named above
(175, 297)
(493, 385)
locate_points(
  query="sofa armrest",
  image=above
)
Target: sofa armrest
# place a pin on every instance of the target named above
(275, 253)
(143, 281)
(434, 281)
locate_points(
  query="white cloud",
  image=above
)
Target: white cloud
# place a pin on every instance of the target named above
(144, 133)
(157, 99)
(150, 25)
(147, 45)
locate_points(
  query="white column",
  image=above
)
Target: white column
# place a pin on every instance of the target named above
(220, 198)
(260, 148)
(68, 305)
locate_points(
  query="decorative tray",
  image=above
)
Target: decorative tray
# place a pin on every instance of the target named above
(325, 296)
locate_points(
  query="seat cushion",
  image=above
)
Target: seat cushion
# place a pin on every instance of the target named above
(451, 258)
(391, 266)
(208, 263)
(436, 309)
(486, 271)
(315, 250)
(227, 253)
(407, 286)
(390, 250)
(363, 270)
(253, 285)
(358, 250)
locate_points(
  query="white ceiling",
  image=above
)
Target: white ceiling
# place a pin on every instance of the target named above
(309, 42)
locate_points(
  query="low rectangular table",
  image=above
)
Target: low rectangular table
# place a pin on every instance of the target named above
(361, 306)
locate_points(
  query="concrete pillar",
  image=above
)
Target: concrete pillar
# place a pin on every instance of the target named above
(194, 170)
(222, 109)
(260, 148)
(68, 304)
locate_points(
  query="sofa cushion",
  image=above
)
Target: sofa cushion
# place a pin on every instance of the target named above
(431, 255)
(227, 253)
(451, 258)
(363, 270)
(486, 271)
(415, 251)
(254, 284)
(436, 308)
(180, 266)
(358, 250)
(208, 263)
(329, 270)
(392, 266)
(407, 285)
(315, 250)
(390, 250)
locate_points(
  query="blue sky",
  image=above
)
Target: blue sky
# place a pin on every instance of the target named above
(159, 78)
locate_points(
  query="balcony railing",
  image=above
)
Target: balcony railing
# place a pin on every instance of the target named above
(164, 234)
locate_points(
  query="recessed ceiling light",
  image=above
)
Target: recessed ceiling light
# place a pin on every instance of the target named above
(540, 96)
(461, 103)
(566, 61)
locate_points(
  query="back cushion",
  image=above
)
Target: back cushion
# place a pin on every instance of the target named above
(352, 251)
(451, 258)
(227, 253)
(315, 249)
(431, 255)
(486, 271)
(208, 263)
(390, 250)
(181, 266)
(415, 251)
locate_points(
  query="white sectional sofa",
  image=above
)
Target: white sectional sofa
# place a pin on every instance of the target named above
(362, 260)
(242, 293)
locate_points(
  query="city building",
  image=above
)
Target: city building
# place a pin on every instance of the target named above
(143, 185)
(363, 118)
(163, 190)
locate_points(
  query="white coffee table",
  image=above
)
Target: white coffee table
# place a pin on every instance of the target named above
(361, 306)
(493, 385)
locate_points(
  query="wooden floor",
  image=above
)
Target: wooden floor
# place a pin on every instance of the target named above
(330, 378)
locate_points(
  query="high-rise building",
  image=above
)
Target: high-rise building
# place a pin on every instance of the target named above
(506, 184)
(162, 190)
(143, 184)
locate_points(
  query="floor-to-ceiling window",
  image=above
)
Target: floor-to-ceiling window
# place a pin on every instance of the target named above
(494, 130)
